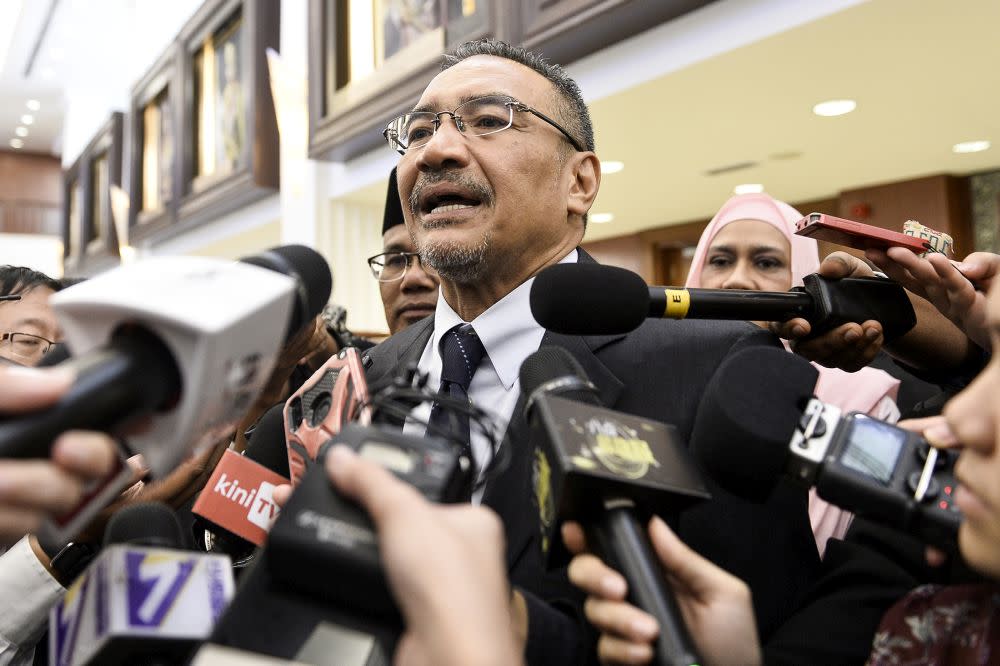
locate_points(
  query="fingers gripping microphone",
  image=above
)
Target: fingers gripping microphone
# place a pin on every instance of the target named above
(591, 299)
(596, 465)
(178, 345)
(758, 422)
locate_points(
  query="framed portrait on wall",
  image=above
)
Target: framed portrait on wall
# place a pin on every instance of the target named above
(103, 157)
(154, 135)
(369, 60)
(72, 221)
(400, 23)
(220, 129)
(230, 155)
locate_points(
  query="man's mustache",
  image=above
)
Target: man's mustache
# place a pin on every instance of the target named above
(474, 187)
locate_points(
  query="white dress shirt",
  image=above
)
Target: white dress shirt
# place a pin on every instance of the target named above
(510, 334)
(28, 591)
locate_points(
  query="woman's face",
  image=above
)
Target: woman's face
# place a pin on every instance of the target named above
(748, 254)
(974, 417)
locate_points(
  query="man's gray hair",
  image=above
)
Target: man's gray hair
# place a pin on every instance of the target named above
(572, 114)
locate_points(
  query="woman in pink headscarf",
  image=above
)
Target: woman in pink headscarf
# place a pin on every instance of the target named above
(750, 244)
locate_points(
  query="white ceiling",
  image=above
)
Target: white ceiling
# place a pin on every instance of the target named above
(924, 75)
(84, 53)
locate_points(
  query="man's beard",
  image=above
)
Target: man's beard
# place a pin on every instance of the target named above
(456, 262)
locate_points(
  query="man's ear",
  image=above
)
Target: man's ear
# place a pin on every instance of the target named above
(585, 170)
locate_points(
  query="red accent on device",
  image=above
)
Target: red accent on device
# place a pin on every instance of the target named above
(860, 236)
(238, 497)
(336, 394)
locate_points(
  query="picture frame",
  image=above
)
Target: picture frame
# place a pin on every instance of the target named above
(155, 132)
(346, 116)
(229, 153)
(72, 210)
(103, 160)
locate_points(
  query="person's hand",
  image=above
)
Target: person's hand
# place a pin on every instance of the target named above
(33, 490)
(945, 284)
(716, 605)
(938, 433)
(444, 564)
(849, 346)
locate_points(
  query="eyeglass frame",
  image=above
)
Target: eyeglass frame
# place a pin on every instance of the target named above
(9, 335)
(511, 103)
(407, 255)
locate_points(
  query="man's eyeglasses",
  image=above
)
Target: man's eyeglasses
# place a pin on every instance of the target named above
(391, 266)
(25, 346)
(476, 117)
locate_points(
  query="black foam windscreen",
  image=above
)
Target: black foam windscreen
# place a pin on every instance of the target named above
(266, 444)
(746, 418)
(311, 272)
(145, 524)
(589, 299)
(56, 354)
(546, 364)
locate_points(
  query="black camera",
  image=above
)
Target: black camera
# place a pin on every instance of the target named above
(877, 470)
(324, 545)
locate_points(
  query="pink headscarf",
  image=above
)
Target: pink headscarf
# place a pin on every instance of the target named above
(868, 390)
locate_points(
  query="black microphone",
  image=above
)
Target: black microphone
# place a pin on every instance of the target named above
(758, 422)
(144, 599)
(601, 467)
(591, 299)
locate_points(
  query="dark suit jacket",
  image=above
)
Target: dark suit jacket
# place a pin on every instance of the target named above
(657, 371)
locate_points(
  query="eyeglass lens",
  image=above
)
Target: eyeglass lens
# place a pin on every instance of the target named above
(26, 346)
(476, 117)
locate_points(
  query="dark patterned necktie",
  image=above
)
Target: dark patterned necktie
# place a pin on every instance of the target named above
(461, 353)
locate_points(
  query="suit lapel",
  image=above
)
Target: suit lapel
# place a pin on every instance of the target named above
(511, 494)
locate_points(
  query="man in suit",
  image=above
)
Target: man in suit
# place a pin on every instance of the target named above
(497, 174)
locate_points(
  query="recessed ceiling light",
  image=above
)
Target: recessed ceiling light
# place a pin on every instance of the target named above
(21, 131)
(970, 147)
(601, 218)
(612, 166)
(33, 105)
(16, 143)
(835, 107)
(748, 188)
(27, 119)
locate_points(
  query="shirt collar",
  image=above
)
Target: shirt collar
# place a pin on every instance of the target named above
(507, 334)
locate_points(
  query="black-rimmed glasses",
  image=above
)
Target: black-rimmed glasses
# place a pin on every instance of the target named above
(391, 266)
(476, 117)
(25, 345)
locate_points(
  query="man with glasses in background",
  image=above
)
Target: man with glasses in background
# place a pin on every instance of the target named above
(409, 288)
(28, 325)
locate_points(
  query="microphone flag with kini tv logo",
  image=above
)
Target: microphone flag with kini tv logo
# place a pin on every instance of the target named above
(239, 497)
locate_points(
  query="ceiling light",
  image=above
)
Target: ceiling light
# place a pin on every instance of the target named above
(970, 147)
(16, 143)
(748, 188)
(835, 107)
(612, 166)
(33, 104)
(601, 218)
(21, 131)
(27, 119)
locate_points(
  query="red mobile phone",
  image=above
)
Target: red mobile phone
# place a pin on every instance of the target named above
(855, 234)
